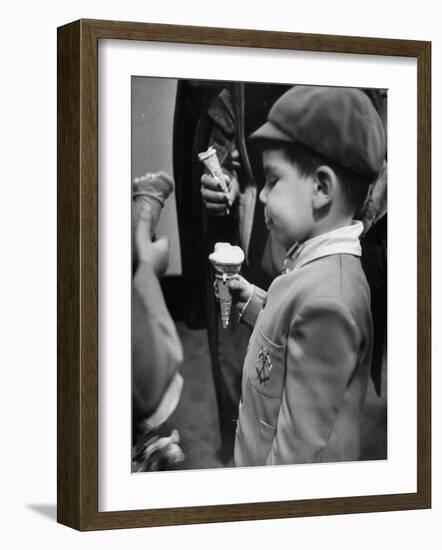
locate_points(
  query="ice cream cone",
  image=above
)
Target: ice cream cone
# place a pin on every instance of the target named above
(210, 160)
(225, 298)
(227, 261)
(153, 189)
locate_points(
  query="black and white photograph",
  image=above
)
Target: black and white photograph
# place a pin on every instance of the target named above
(213, 335)
(259, 274)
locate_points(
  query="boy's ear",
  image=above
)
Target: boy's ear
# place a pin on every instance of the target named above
(325, 186)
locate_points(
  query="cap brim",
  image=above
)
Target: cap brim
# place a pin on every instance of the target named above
(269, 131)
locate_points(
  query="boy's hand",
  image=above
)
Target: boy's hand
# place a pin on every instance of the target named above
(241, 291)
(154, 253)
(216, 201)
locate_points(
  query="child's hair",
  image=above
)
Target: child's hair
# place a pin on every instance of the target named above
(338, 127)
(307, 161)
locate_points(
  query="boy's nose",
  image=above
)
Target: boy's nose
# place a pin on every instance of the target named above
(263, 195)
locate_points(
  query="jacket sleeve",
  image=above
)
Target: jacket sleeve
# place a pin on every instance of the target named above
(322, 353)
(253, 306)
(156, 347)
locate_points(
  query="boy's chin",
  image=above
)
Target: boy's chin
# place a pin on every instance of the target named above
(281, 241)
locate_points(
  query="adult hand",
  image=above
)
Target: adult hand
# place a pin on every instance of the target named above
(217, 202)
(155, 253)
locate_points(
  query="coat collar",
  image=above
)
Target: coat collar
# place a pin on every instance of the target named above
(344, 240)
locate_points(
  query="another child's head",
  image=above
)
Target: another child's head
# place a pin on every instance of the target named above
(322, 148)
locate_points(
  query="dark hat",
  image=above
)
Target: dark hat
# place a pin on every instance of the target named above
(339, 123)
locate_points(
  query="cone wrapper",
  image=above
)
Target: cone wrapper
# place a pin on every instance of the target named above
(152, 189)
(224, 274)
(227, 261)
(210, 160)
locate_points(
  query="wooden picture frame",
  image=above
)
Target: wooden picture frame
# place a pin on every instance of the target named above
(77, 387)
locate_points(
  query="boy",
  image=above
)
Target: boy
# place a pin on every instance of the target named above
(306, 371)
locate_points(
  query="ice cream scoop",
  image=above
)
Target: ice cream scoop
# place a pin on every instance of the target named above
(226, 254)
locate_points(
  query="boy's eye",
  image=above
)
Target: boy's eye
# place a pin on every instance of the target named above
(271, 182)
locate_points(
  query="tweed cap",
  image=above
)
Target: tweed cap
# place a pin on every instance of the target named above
(339, 123)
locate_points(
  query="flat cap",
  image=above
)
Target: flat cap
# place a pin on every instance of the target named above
(339, 123)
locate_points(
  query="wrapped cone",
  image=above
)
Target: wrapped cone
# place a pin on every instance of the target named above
(224, 274)
(227, 261)
(210, 160)
(152, 188)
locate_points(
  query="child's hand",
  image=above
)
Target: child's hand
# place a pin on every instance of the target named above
(216, 201)
(154, 253)
(241, 291)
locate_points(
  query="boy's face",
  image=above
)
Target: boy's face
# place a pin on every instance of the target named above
(287, 197)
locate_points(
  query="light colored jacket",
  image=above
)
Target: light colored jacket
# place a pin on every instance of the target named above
(306, 371)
